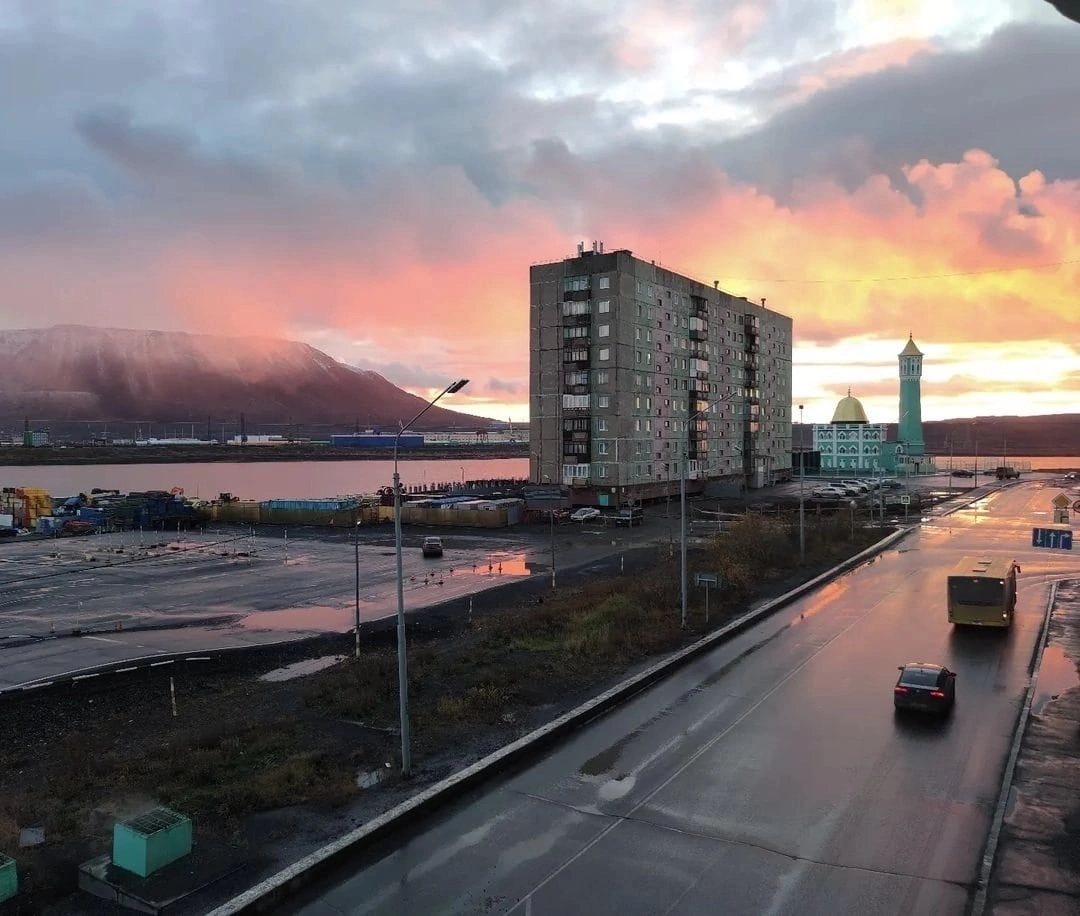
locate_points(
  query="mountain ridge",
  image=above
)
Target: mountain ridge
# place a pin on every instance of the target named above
(70, 374)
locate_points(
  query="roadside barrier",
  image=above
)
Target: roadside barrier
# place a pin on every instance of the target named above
(275, 889)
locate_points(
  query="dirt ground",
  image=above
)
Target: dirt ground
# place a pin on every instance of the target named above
(272, 767)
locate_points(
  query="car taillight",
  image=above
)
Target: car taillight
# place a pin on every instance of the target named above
(937, 694)
(900, 690)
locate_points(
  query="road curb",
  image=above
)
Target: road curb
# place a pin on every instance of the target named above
(986, 870)
(303, 872)
(139, 663)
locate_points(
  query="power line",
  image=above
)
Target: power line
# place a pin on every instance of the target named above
(941, 276)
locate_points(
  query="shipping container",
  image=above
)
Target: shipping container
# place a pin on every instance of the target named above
(377, 440)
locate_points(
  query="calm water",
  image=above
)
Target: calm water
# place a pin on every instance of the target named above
(314, 479)
(260, 480)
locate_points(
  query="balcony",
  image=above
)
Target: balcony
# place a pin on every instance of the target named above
(699, 334)
(577, 295)
(576, 321)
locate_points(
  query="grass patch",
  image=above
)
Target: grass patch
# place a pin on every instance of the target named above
(241, 746)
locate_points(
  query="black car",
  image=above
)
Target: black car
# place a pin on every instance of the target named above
(925, 687)
(963, 472)
(629, 516)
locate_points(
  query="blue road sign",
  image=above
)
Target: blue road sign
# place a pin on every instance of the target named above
(1054, 538)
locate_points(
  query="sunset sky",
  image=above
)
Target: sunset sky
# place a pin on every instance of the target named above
(376, 178)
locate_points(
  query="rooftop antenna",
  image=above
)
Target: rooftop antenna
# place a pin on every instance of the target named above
(580, 248)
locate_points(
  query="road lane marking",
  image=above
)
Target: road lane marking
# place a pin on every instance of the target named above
(629, 816)
(105, 639)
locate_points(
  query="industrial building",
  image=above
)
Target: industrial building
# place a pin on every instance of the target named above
(639, 375)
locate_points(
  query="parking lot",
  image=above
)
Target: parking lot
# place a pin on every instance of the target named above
(73, 602)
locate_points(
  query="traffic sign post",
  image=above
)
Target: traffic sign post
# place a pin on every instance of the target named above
(707, 579)
(1053, 538)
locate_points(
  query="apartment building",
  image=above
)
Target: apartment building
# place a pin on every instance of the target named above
(639, 374)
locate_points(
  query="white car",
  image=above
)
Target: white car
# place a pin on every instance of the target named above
(585, 514)
(857, 485)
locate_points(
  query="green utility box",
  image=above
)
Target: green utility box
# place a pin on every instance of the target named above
(9, 878)
(151, 841)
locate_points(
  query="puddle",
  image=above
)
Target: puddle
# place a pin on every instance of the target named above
(605, 761)
(322, 619)
(510, 564)
(300, 668)
(1057, 673)
(371, 778)
(616, 788)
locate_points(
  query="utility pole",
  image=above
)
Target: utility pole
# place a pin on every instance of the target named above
(802, 493)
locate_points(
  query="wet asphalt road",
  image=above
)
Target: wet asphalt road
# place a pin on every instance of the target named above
(132, 596)
(769, 776)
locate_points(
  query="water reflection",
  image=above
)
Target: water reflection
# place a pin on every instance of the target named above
(303, 619)
(1057, 674)
(301, 668)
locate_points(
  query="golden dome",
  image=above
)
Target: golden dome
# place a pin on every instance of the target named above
(849, 410)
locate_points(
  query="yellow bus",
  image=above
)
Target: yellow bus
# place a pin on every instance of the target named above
(982, 592)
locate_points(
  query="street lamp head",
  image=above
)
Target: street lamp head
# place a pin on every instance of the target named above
(457, 386)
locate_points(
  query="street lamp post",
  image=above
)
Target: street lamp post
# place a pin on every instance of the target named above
(852, 504)
(802, 494)
(403, 668)
(551, 520)
(356, 618)
(976, 426)
(682, 501)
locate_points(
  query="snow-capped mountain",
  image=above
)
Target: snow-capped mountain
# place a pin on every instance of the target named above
(72, 372)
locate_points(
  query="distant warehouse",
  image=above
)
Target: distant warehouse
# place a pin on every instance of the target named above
(377, 440)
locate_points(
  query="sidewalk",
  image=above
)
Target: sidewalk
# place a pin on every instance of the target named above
(1037, 867)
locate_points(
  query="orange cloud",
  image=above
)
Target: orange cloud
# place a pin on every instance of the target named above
(848, 65)
(426, 273)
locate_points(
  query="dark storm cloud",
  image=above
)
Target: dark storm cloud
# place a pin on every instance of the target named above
(1016, 95)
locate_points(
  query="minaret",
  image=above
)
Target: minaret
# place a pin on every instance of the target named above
(910, 425)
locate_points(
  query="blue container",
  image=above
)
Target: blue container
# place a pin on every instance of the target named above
(377, 440)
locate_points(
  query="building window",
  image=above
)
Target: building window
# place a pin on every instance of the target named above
(602, 375)
(603, 306)
(605, 283)
(604, 330)
(601, 470)
(575, 284)
(603, 400)
(569, 333)
(601, 425)
(604, 354)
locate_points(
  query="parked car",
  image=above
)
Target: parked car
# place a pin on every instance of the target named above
(629, 516)
(963, 472)
(925, 687)
(585, 514)
(432, 547)
(1006, 472)
(828, 493)
(856, 485)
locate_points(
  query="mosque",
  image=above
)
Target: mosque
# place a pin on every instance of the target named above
(852, 443)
